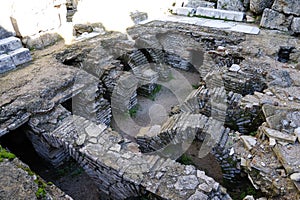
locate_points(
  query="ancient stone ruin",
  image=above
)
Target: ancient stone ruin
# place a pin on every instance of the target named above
(126, 110)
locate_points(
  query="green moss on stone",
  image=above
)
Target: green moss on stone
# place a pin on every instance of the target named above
(6, 155)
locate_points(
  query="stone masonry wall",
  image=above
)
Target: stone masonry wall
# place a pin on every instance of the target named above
(122, 171)
(284, 15)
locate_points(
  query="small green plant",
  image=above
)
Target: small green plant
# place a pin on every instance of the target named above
(154, 92)
(186, 160)
(195, 86)
(6, 155)
(40, 193)
(253, 133)
(133, 111)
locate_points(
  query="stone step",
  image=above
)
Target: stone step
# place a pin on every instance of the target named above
(220, 14)
(185, 11)
(20, 56)
(10, 44)
(6, 63)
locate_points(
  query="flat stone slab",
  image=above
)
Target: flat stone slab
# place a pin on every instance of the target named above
(245, 29)
(288, 155)
(213, 23)
(185, 11)
(220, 14)
(20, 56)
(279, 135)
(6, 63)
(10, 44)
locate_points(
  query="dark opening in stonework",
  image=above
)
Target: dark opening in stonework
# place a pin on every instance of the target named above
(68, 105)
(284, 53)
(69, 177)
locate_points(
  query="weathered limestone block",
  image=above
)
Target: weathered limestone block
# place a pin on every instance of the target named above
(290, 7)
(20, 56)
(288, 155)
(6, 63)
(220, 14)
(296, 25)
(258, 6)
(200, 3)
(275, 20)
(40, 40)
(236, 5)
(138, 17)
(185, 11)
(10, 44)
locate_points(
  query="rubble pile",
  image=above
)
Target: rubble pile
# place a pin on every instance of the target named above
(271, 158)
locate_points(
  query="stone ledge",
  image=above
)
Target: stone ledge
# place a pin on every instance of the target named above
(185, 11)
(20, 56)
(220, 14)
(10, 44)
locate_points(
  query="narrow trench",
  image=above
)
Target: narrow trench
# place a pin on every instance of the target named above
(69, 177)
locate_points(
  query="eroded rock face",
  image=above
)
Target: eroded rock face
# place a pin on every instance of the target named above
(281, 16)
(258, 6)
(236, 5)
(18, 183)
(290, 7)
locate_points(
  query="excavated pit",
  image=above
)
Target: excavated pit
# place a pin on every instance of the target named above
(164, 101)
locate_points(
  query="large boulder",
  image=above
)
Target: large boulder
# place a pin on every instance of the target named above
(236, 5)
(287, 6)
(258, 6)
(275, 20)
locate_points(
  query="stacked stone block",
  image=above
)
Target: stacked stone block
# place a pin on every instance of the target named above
(12, 54)
(284, 15)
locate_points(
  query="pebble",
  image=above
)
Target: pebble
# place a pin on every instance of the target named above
(234, 68)
(272, 142)
(221, 49)
(295, 177)
(269, 93)
(291, 98)
(231, 151)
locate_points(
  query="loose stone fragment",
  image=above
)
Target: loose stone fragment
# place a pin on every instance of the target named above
(295, 177)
